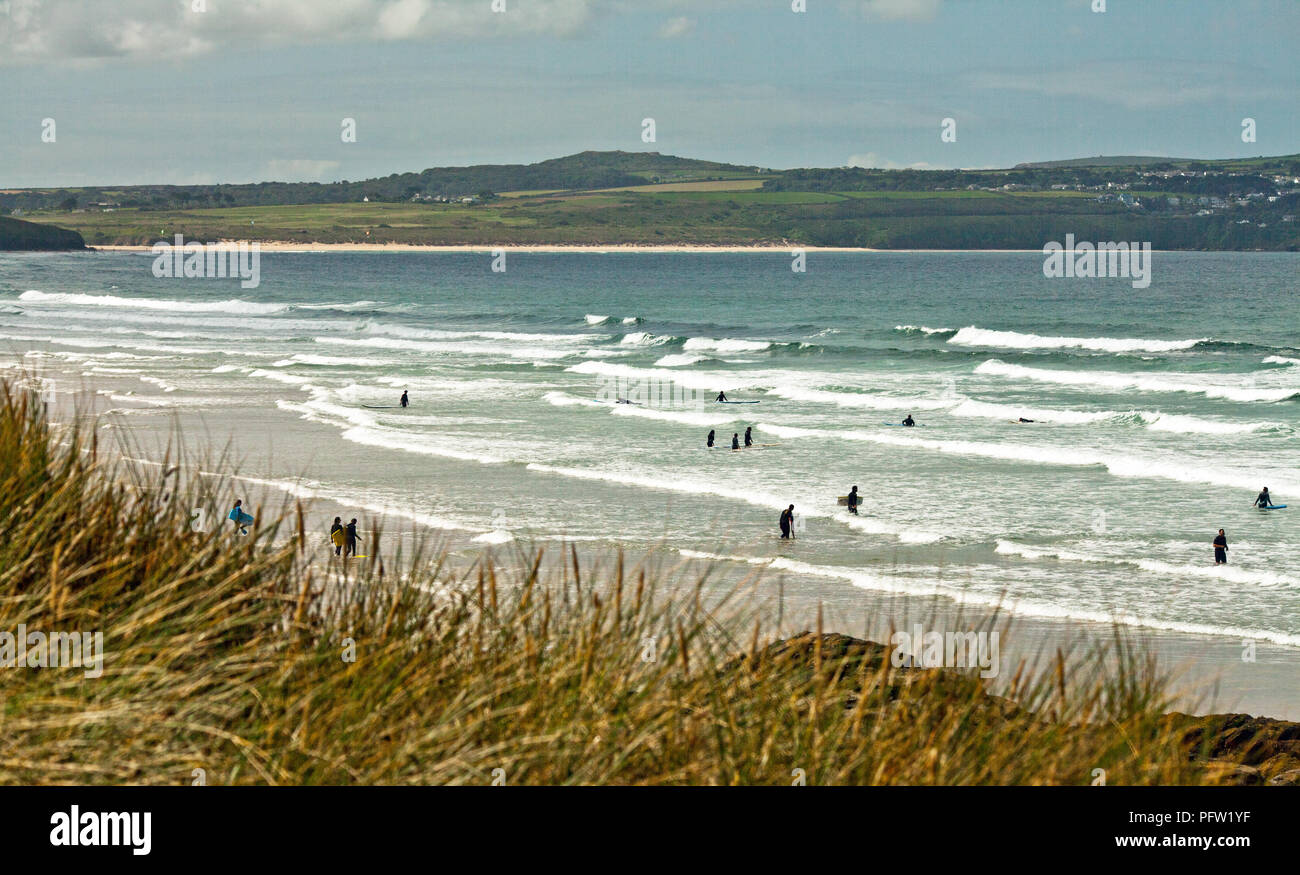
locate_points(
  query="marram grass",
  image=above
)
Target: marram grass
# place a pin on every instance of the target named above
(251, 660)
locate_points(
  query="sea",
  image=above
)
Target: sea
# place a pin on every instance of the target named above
(1158, 413)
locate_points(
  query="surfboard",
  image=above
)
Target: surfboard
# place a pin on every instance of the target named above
(900, 425)
(737, 402)
(239, 518)
(1274, 507)
(382, 406)
(844, 500)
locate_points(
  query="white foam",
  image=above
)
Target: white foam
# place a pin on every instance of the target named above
(1241, 391)
(1233, 573)
(680, 360)
(726, 345)
(973, 336)
(593, 319)
(233, 305)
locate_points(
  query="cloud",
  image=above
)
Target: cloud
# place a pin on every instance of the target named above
(871, 160)
(676, 27)
(297, 170)
(1134, 85)
(35, 30)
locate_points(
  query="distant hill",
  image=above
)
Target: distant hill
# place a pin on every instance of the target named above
(1149, 160)
(584, 171)
(16, 234)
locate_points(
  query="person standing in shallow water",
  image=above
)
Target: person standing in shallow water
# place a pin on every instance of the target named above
(336, 535)
(787, 522)
(405, 399)
(853, 501)
(749, 435)
(1221, 549)
(711, 437)
(735, 441)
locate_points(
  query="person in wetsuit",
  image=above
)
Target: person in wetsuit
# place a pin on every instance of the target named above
(336, 537)
(1221, 549)
(405, 399)
(787, 522)
(854, 500)
(1264, 499)
(350, 539)
(722, 396)
(909, 420)
(749, 435)
(735, 441)
(711, 434)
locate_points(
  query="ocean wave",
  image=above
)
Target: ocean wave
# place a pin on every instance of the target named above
(677, 360)
(726, 344)
(234, 305)
(860, 399)
(593, 319)
(973, 336)
(1151, 419)
(1141, 382)
(922, 329)
(1233, 573)
(645, 338)
(1281, 360)
(1019, 606)
(328, 361)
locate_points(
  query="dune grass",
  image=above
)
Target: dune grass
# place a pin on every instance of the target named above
(257, 663)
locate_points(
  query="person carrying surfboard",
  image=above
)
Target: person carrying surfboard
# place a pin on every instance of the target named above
(749, 435)
(405, 399)
(853, 501)
(238, 517)
(350, 539)
(1264, 500)
(336, 535)
(1221, 549)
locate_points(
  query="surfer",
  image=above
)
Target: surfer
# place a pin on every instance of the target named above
(787, 522)
(711, 436)
(238, 517)
(853, 500)
(909, 421)
(1264, 499)
(749, 435)
(735, 441)
(1221, 549)
(350, 539)
(336, 535)
(405, 399)
(1022, 419)
(722, 396)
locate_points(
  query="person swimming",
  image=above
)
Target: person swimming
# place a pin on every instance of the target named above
(853, 500)
(1022, 419)
(909, 420)
(735, 441)
(405, 399)
(749, 435)
(1264, 499)
(711, 437)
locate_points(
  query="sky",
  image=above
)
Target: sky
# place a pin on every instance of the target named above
(214, 91)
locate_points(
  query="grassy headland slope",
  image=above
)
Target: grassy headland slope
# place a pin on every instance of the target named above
(19, 235)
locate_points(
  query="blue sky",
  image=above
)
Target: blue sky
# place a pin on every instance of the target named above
(154, 91)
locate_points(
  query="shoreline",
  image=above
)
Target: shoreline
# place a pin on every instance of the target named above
(597, 249)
